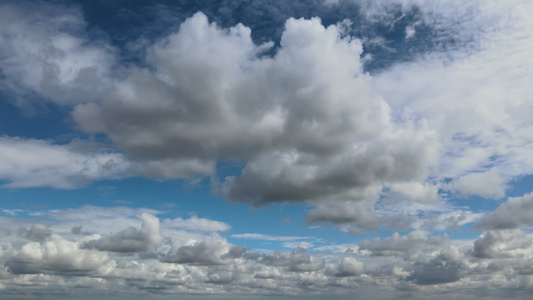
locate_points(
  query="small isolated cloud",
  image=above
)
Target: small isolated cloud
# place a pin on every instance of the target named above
(306, 121)
(131, 239)
(410, 32)
(516, 212)
(416, 191)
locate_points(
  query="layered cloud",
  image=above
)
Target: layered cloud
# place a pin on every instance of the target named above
(398, 148)
(34, 163)
(210, 263)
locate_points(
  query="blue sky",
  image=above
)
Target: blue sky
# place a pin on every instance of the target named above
(266, 149)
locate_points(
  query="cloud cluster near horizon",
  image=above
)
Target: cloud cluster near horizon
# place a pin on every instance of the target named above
(174, 255)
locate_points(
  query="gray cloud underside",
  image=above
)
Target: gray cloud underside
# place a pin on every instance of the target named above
(495, 260)
(516, 212)
(306, 120)
(131, 239)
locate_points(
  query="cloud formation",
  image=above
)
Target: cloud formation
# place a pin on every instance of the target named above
(37, 163)
(398, 148)
(46, 51)
(304, 121)
(516, 212)
(210, 263)
(131, 239)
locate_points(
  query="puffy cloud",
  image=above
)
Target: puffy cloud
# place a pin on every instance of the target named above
(480, 119)
(131, 239)
(448, 266)
(348, 266)
(514, 213)
(204, 253)
(411, 246)
(305, 120)
(57, 256)
(36, 163)
(497, 259)
(489, 184)
(45, 50)
(503, 244)
(37, 232)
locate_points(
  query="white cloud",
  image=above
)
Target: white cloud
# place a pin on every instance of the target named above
(45, 50)
(412, 246)
(55, 256)
(211, 264)
(489, 184)
(306, 120)
(410, 32)
(310, 127)
(131, 239)
(195, 224)
(416, 191)
(480, 118)
(266, 237)
(36, 163)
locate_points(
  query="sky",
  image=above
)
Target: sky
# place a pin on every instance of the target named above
(247, 149)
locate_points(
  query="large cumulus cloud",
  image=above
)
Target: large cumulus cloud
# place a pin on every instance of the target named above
(305, 121)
